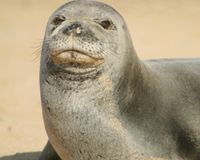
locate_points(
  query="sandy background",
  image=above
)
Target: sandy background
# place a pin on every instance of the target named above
(160, 29)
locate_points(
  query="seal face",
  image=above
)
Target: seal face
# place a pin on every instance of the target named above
(73, 56)
(78, 41)
(100, 101)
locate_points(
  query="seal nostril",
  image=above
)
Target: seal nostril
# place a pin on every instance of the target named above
(76, 27)
(66, 31)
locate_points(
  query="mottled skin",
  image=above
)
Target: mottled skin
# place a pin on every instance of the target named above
(124, 107)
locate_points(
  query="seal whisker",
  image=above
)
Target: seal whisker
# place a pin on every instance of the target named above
(36, 53)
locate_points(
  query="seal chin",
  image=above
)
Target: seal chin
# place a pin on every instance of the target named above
(76, 62)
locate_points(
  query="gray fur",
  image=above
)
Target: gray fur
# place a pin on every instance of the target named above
(125, 106)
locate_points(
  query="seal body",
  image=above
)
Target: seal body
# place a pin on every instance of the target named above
(100, 101)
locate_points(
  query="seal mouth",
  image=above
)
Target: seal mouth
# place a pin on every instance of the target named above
(76, 62)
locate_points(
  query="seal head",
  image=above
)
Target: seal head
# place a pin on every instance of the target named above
(82, 43)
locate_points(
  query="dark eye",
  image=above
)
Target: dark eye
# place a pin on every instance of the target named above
(58, 20)
(108, 25)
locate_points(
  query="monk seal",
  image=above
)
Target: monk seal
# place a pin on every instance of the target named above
(100, 101)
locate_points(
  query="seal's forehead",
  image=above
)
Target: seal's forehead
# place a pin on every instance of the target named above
(87, 8)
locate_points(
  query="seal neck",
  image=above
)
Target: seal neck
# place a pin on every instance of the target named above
(136, 89)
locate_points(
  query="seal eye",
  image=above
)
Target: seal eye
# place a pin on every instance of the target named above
(108, 25)
(58, 20)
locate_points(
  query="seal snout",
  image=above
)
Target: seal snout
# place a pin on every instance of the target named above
(76, 62)
(71, 57)
(76, 46)
(75, 27)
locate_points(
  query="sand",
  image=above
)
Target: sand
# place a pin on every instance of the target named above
(161, 29)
